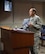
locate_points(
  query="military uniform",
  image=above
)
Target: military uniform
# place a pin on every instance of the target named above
(36, 22)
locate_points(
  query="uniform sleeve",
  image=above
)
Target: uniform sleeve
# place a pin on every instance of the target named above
(38, 23)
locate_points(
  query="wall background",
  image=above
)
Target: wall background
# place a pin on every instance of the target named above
(19, 12)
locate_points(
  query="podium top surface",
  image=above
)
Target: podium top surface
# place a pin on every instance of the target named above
(16, 30)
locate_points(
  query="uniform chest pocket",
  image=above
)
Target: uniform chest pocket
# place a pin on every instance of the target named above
(35, 21)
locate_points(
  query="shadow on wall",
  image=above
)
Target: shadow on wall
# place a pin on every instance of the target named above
(3, 14)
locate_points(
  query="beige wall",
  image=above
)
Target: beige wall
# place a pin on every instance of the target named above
(44, 13)
(20, 11)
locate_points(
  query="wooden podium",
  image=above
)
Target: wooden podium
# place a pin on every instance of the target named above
(17, 42)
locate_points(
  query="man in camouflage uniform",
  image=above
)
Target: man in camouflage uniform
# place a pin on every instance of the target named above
(33, 24)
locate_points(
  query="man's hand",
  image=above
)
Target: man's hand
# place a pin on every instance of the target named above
(30, 25)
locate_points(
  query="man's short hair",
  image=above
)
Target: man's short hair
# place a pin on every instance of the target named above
(34, 9)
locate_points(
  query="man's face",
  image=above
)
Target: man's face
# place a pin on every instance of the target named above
(31, 12)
